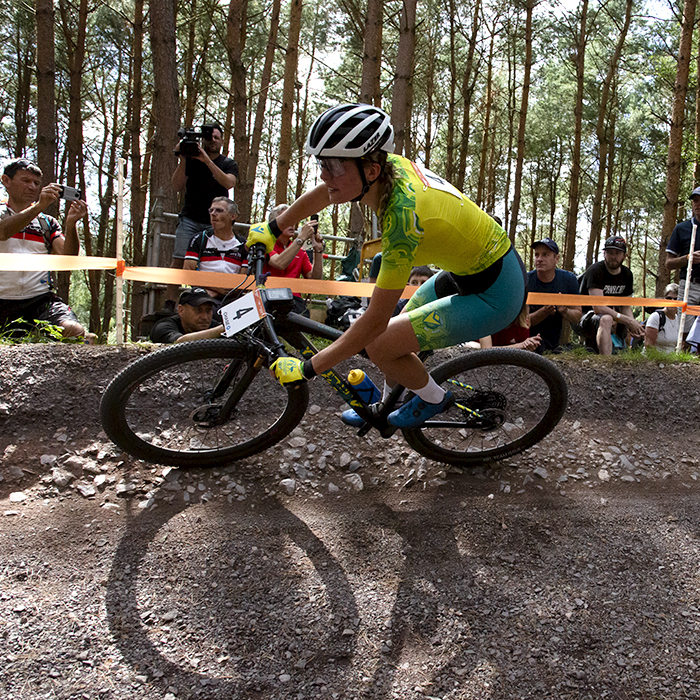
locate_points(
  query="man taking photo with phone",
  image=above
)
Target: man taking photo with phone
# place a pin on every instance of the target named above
(27, 297)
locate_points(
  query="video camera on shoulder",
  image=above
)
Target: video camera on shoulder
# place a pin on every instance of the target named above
(190, 138)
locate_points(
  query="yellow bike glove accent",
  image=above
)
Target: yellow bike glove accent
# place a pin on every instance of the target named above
(261, 233)
(288, 370)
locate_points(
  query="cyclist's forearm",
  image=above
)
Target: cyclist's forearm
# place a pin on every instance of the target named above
(201, 335)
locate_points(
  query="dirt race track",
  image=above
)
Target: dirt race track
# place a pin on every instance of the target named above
(333, 566)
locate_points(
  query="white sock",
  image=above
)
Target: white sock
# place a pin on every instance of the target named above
(432, 392)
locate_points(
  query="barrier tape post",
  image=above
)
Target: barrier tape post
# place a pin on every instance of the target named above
(119, 324)
(686, 291)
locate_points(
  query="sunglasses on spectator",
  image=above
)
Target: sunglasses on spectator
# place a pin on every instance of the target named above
(217, 210)
(335, 167)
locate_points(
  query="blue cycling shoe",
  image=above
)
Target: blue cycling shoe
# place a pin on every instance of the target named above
(352, 418)
(416, 411)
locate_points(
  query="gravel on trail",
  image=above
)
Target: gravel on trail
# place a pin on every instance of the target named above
(333, 566)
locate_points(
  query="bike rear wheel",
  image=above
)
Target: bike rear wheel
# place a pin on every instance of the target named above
(505, 401)
(166, 407)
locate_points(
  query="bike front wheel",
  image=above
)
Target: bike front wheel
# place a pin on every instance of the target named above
(505, 401)
(199, 404)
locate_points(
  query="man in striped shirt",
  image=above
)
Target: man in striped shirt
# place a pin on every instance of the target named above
(219, 250)
(27, 296)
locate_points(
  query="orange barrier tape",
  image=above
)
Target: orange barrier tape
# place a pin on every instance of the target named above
(17, 262)
(165, 275)
(543, 299)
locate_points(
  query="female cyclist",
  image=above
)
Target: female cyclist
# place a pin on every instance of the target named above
(423, 220)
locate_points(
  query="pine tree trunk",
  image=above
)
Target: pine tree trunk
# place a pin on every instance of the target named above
(75, 49)
(467, 94)
(291, 62)
(235, 33)
(523, 120)
(675, 141)
(24, 53)
(481, 186)
(602, 135)
(166, 110)
(403, 77)
(574, 181)
(372, 53)
(244, 188)
(46, 90)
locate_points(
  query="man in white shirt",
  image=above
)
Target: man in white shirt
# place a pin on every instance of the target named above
(27, 297)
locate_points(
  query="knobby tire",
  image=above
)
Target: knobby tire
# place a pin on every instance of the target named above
(522, 394)
(154, 408)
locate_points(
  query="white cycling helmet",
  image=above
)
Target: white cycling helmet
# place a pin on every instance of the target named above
(350, 131)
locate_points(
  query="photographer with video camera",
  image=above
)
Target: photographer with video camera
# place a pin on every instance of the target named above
(203, 173)
(26, 297)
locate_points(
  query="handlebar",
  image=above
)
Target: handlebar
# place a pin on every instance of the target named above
(256, 261)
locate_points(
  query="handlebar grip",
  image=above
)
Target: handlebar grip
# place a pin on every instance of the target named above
(257, 255)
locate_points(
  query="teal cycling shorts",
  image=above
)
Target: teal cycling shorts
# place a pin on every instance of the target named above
(454, 319)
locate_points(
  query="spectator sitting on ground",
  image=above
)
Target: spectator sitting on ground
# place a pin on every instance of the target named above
(546, 321)
(24, 228)
(661, 330)
(288, 259)
(608, 277)
(516, 336)
(218, 250)
(419, 275)
(193, 321)
(203, 176)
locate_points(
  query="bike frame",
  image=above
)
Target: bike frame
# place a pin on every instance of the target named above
(292, 327)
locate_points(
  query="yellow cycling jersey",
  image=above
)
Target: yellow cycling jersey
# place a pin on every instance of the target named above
(428, 221)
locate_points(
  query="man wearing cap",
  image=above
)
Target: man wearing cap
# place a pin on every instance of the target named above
(678, 255)
(547, 278)
(193, 321)
(611, 278)
(27, 296)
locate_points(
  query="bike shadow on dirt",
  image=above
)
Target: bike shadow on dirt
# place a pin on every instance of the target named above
(541, 598)
(418, 594)
(220, 600)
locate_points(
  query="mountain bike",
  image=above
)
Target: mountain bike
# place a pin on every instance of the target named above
(212, 402)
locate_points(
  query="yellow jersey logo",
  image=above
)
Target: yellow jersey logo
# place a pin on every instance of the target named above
(432, 320)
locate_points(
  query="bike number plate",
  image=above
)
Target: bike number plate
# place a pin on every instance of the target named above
(242, 313)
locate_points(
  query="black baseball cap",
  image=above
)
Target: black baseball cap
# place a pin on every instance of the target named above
(195, 297)
(695, 193)
(549, 243)
(617, 243)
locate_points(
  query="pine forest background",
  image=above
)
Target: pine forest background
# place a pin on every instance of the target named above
(572, 120)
